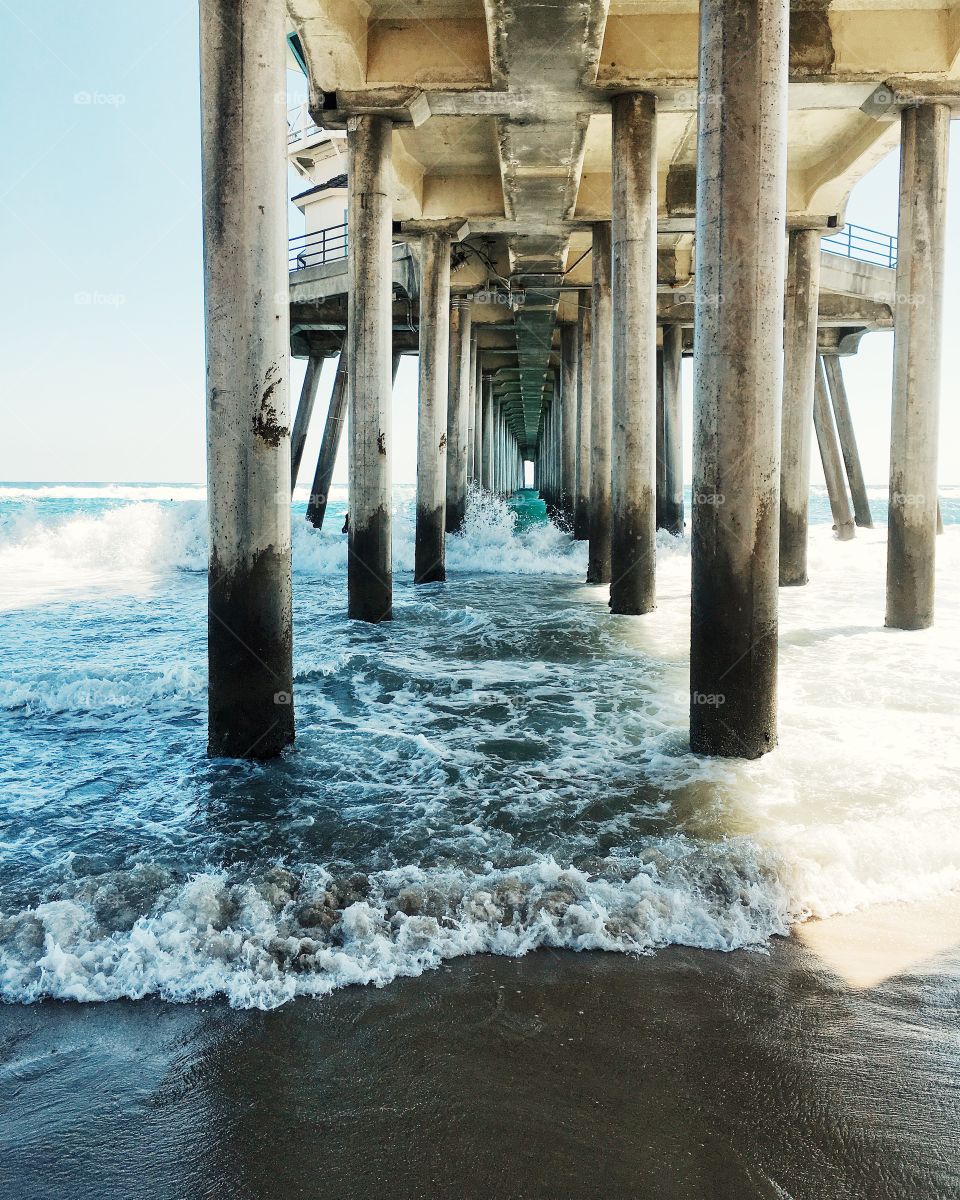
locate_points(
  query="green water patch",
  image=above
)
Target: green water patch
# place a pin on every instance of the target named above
(528, 507)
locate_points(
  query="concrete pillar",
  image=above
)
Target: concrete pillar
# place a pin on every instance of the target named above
(581, 515)
(472, 410)
(912, 520)
(332, 431)
(799, 369)
(633, 543)
(432, 418)
(301, 426)
(830, 457)
(670, 433)
(478, 416)
(601, 400)
(740, 230)
(486, 463)
(369, 390)
(458, 402)
(243, 140)
(848, 441)
(569, 370)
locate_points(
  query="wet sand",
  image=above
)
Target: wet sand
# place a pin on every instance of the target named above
(828, 1068)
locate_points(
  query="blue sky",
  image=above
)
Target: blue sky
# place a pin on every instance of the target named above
(102, 335)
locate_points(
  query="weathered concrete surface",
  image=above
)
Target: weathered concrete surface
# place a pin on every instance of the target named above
(601, 408)
(329, 445)
(487, 457)
(912, 519)
(670, 514)
(247, 343)
(301, 426)
(799, 364)
(848, 441)
(432, 412)
(741, 171)
(831, 460)
(633, 227)
(369, 382)
(458, 404)
(569, 371)
(581, 516)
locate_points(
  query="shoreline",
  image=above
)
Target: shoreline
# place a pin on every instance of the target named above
(828, 1067)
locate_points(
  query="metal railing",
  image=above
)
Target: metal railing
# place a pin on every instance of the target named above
(300, 124)
(314, 249)
(867, 245)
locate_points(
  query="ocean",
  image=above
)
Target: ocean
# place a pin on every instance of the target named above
(502, 767)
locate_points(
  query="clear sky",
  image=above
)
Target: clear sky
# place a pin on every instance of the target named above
(102, 333)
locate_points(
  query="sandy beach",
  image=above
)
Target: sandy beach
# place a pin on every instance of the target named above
(828, 1068)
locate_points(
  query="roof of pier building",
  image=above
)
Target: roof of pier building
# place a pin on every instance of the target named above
(502, 111)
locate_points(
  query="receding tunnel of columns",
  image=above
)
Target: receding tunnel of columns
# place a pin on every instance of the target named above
(499, 118)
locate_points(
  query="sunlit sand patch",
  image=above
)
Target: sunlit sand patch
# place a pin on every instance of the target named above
(868, 947)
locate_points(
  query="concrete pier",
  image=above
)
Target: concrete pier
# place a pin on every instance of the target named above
(432, 412)
(601, 408)
(369, 383)
(581, 515)
(912, 518)
(848, 440)
(330, 444)
(633, 227)
(799, 369)
(301, 425)
(740, 228)
(458, 405)
(569, 371)
(831, 460)
(478, 416)
(670, 514)
(472, 412)
(243, 131)
(486, 457)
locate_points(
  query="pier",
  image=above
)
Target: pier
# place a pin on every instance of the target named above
(551, 205)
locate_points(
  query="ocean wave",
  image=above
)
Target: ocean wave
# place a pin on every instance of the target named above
(263, 939)
(259, 942)
(151, 537)
(78, 692)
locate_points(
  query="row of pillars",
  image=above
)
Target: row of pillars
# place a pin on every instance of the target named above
(753, 368)
(738, 368)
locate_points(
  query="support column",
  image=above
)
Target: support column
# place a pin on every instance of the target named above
(670, 433)
(569, 369)
(912, 520)
(301, 426)
(477, 414)
(432, 419)
(799, 371)
(848, 441)
(740, 229)
(327, 459)
(581, 515)
(830, 458)
(458, 398)
(601, 400)
(369, 338)
(471, 409)
(486, 472)
(249, 634)
(633, 545)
